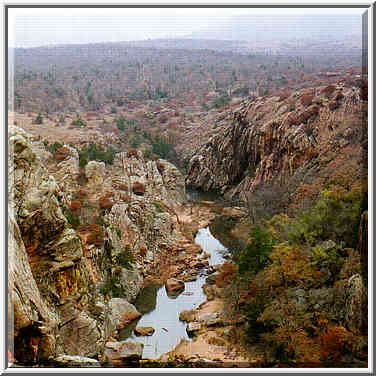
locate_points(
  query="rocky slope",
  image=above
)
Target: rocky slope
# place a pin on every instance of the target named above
(49, 290)
(286, 138)
(81, 241)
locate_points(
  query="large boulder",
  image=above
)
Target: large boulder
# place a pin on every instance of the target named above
(174, 285)
(187, 315)
(234, 213)
(79, 333)
(122, 313)
(144, 331)
(120, 352)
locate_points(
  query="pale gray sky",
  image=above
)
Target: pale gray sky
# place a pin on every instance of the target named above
(30, 27)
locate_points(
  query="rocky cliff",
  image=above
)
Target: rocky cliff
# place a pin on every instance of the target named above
(75, 246)
(49, 278)
(283, 138)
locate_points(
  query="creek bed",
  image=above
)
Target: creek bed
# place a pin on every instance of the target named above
(162, 311)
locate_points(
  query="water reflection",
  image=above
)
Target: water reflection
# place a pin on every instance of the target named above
(147, 299)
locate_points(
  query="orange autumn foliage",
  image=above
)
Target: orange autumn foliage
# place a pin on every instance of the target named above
(335, 340)
(76, 205)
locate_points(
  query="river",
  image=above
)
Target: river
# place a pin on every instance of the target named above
(162, 311)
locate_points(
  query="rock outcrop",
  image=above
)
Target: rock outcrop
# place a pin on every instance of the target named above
(54, 270)
(275, 137)
(71, 283)
(33, 324)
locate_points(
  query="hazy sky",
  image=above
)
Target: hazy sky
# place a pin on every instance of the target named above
(35, 27)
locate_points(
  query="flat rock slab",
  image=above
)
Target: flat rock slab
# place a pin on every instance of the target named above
(116, 352)
(209, 319)
(208, 203)
(77, 361)
(144, 331)
(233, 212)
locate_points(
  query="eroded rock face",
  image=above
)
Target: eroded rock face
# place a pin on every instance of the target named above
(59, 306)
(193, 327)
(53, 268)
(266, 139)
(46, 234)
(29, 314)
(79, 333)
(95, 172)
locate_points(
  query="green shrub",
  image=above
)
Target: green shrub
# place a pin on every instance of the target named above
(221, 101)
(100, 220)
(39, 119)
(83, 159)
(147, 153)
(158, 206)
(162, 148)
(94, 152)
(137, 140)
(53, 147)
(256, 255)
(113, 110)
(111, 286)
(73, 219)
(335, 216)
(120, 123)
(241, 91)
(125, 258)
(78, 122)
(252, 311)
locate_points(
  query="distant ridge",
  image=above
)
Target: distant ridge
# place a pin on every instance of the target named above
(284, 27)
